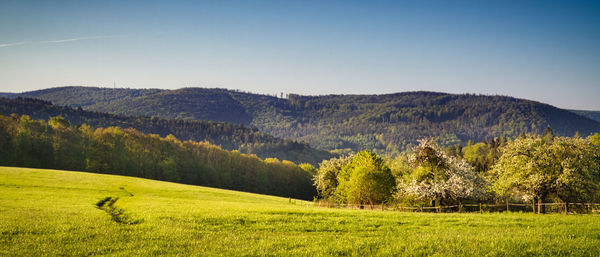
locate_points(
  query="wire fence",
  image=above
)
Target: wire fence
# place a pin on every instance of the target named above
(563, 208)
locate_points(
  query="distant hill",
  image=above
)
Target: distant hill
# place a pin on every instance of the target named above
(215, 105)
(88, 97)
(7, 95)
(227, 135)
(384, 123)
(594, 115)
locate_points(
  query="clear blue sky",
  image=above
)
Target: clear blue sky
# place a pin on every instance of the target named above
(542, 50)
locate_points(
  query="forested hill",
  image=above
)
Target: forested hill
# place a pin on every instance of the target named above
(227, 135)
(594, 115)
(385, 123)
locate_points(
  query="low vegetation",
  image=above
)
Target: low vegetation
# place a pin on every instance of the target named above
(54, 213)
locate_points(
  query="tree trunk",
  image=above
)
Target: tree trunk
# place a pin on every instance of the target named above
(566, 208)
(533, 205)
(437, 205)
(507, 207)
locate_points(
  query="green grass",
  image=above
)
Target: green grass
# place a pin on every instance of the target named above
(49, 212)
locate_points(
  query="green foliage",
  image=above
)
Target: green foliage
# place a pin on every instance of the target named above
(578, 168)
(365, 180)
(369, 186)
(308, 168)
(35, 143)
(595, 139)
(326, 178)
(388, 123)
(476, 154)
(58, 121)
(520, 171)
(228, 136)
(400, 166)
(533, 167)
(482, 156)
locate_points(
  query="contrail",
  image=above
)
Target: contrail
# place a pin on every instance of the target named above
(53, 41)
(13, 44)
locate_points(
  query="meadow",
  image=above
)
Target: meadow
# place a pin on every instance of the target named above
(51, 212)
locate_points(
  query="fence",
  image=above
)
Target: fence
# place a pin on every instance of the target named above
(579, 208)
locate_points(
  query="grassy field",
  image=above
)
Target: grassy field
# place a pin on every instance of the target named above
(49, 212)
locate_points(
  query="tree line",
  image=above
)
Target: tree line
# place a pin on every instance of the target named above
(532, 168)
(384, 124)
(57, 144)
(226, 135)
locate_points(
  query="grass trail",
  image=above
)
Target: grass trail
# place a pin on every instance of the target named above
(50, 212)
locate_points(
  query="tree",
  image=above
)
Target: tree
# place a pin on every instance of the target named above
(366, 180)
(595, 139)
(33, 143)
(308, 168)
(578, 170)
(533, 168)
(56, 144)
(548, 135)
(326, 178)
(477, 156)
(524, 170)
(7, 130)
(437, 177)
(67, 145)
(58, 121)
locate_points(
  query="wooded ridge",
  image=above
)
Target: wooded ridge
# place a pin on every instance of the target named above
(387, 123)
(226, 135)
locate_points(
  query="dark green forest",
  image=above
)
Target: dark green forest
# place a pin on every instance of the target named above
(593, 115)
(56, 144)
(226, 135)
(389, 123)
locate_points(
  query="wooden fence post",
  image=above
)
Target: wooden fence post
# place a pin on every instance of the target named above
(589, 210)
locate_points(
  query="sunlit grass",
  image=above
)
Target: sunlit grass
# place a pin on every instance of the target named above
(48, 212)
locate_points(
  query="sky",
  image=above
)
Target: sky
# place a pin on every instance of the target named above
(548, 51)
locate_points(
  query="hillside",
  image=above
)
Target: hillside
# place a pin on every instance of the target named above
(227, 135)
(60, 213)
(593, 115)
(385, 123)
(58, 145)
